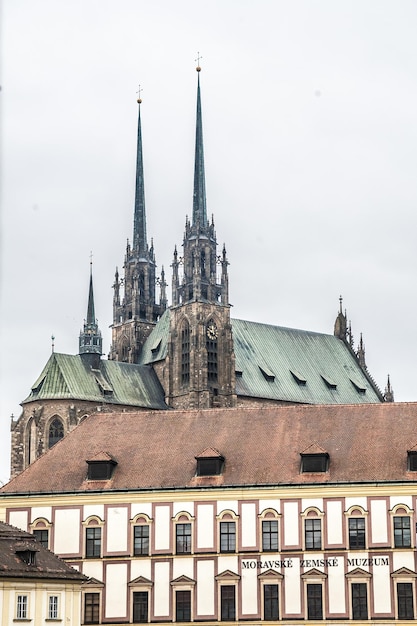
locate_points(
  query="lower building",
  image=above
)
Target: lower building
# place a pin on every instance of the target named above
(36, 587)
(288, 513)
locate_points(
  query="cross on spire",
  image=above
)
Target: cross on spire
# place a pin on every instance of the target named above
(197, 60)
(139, 92)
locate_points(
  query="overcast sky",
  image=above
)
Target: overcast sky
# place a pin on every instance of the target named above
(310, 134)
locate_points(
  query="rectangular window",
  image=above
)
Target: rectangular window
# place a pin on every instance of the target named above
(183, 606)
(22, 607)
(53, 607)
(405, 601)
(357, 533)
(402, 532)
(359, 601)
(227, 537)
(140, 606)
(42, 537)
(93, 542)
(228, 603)
(271, 602)
(141, 540)
(270, 536)
(313, 534)
(91, 608)
(314, 601)
(183, 538)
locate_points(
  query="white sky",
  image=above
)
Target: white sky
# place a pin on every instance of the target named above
(310, 133)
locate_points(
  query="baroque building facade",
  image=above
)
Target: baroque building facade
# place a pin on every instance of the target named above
(189, 355)
(285, 514)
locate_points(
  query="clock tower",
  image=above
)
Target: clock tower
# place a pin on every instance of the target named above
(201, 359)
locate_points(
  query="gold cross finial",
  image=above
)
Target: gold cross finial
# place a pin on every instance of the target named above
(197, 60)
(138, 92)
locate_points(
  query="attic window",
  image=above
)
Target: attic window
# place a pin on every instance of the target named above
(314, 462)
(239, 373)
(27, 556)
(210, 467)
(330, 383)
(299, 378)
(38, 385)
(267, 373)
(412, 460)
(358, 386)
(100, 470)
(155, 346)
(105, 388)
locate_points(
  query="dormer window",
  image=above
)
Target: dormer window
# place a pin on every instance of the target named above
(209, 463)
(101, 467)
(412, 460)
(267, 373)
(329, 382)
(314, 462)
(27, 556)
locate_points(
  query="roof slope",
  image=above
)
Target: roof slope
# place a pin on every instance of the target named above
(68, 376)
(47, 565)
(285, 364)
(157, 449)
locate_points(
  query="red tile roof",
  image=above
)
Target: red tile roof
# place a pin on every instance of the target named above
(157, 449)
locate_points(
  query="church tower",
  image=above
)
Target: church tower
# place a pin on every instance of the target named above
(136, 313)
(201, 358)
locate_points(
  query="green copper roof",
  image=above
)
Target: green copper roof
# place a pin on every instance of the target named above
(285, 364)
(69, 377)
(293, 365)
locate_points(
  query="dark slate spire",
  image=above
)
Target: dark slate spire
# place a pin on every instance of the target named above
(90, 341)
(199, 197)
(139, 224)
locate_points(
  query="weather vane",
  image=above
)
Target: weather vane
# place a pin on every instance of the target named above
(138, 92)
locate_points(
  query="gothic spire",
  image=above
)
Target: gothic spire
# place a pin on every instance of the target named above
(139, 224)
(199, 197)
(90, 341)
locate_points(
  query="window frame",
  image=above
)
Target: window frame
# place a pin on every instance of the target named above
(143, 547)
(135, 594)
(313, 536)
(231, 537)
(270, 615)
(311, 602)
(54, 611)
(404, 533)
(410, 584)
(355, 535)
(188, 604)
(357, 613)
(267, 535)
(22, 606)
(184, 540)
(94, 606)
(223, 600)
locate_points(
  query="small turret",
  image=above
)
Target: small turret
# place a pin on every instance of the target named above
(340, 325)
(389, 391)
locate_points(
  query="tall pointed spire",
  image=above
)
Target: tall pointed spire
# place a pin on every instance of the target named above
(90, 341)
(139, 224)
(199, 197)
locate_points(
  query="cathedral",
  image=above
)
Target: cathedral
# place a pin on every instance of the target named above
(189, 355)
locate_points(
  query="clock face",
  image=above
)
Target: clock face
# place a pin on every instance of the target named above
(212, 330)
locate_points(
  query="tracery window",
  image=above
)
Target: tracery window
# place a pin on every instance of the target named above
(56, 432)
(185, 353)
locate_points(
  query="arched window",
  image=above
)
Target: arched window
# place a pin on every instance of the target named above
(56, 432)
(185, 353)
(211, 345)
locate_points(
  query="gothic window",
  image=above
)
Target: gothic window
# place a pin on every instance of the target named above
(56, 432)
(211, 345)
(185, 353)
(203, 263)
